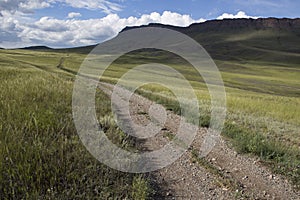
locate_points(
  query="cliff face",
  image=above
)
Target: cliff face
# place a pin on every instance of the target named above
(238, 24)
(234, 24)
(279, 23)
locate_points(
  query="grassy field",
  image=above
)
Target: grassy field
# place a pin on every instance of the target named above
(263, 105)
(42, 156)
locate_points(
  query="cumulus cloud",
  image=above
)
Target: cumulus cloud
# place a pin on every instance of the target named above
(76, 32)
(239, 15)
(7, 21)
(73, 15)
(18, 29)
(33, 4)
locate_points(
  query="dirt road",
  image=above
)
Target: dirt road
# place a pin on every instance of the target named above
(223, 174)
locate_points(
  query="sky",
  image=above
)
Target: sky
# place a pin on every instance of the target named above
(70, 23)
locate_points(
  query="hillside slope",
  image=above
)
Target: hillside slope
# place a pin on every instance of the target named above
(264, 39)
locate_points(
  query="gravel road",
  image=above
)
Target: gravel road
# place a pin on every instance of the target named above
(223, 174)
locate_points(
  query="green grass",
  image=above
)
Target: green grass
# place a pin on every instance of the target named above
(278, 156)
(252, 136)
(41, 156)
(263, 105)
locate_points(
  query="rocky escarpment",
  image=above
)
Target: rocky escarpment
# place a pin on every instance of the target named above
(233, 24)
(239, 24)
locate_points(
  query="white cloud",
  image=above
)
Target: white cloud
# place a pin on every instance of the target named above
(174, 19)
(239, 15)
(33, 4)
(76, 32)
(25, 6)
(104, 5)
(28, 6)
(7, 21)
(73, 15)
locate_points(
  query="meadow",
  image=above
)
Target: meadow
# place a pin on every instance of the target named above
(263, 104)
(42, 156)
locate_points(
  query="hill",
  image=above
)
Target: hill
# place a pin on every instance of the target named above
(82, 50)
(263, 39)
(38, 48)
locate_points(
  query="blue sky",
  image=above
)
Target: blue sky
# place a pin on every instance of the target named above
(67, 23)
(212, 9)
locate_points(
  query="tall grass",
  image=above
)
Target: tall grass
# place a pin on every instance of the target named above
(41, 156)
(262, 101)
(247, 138)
